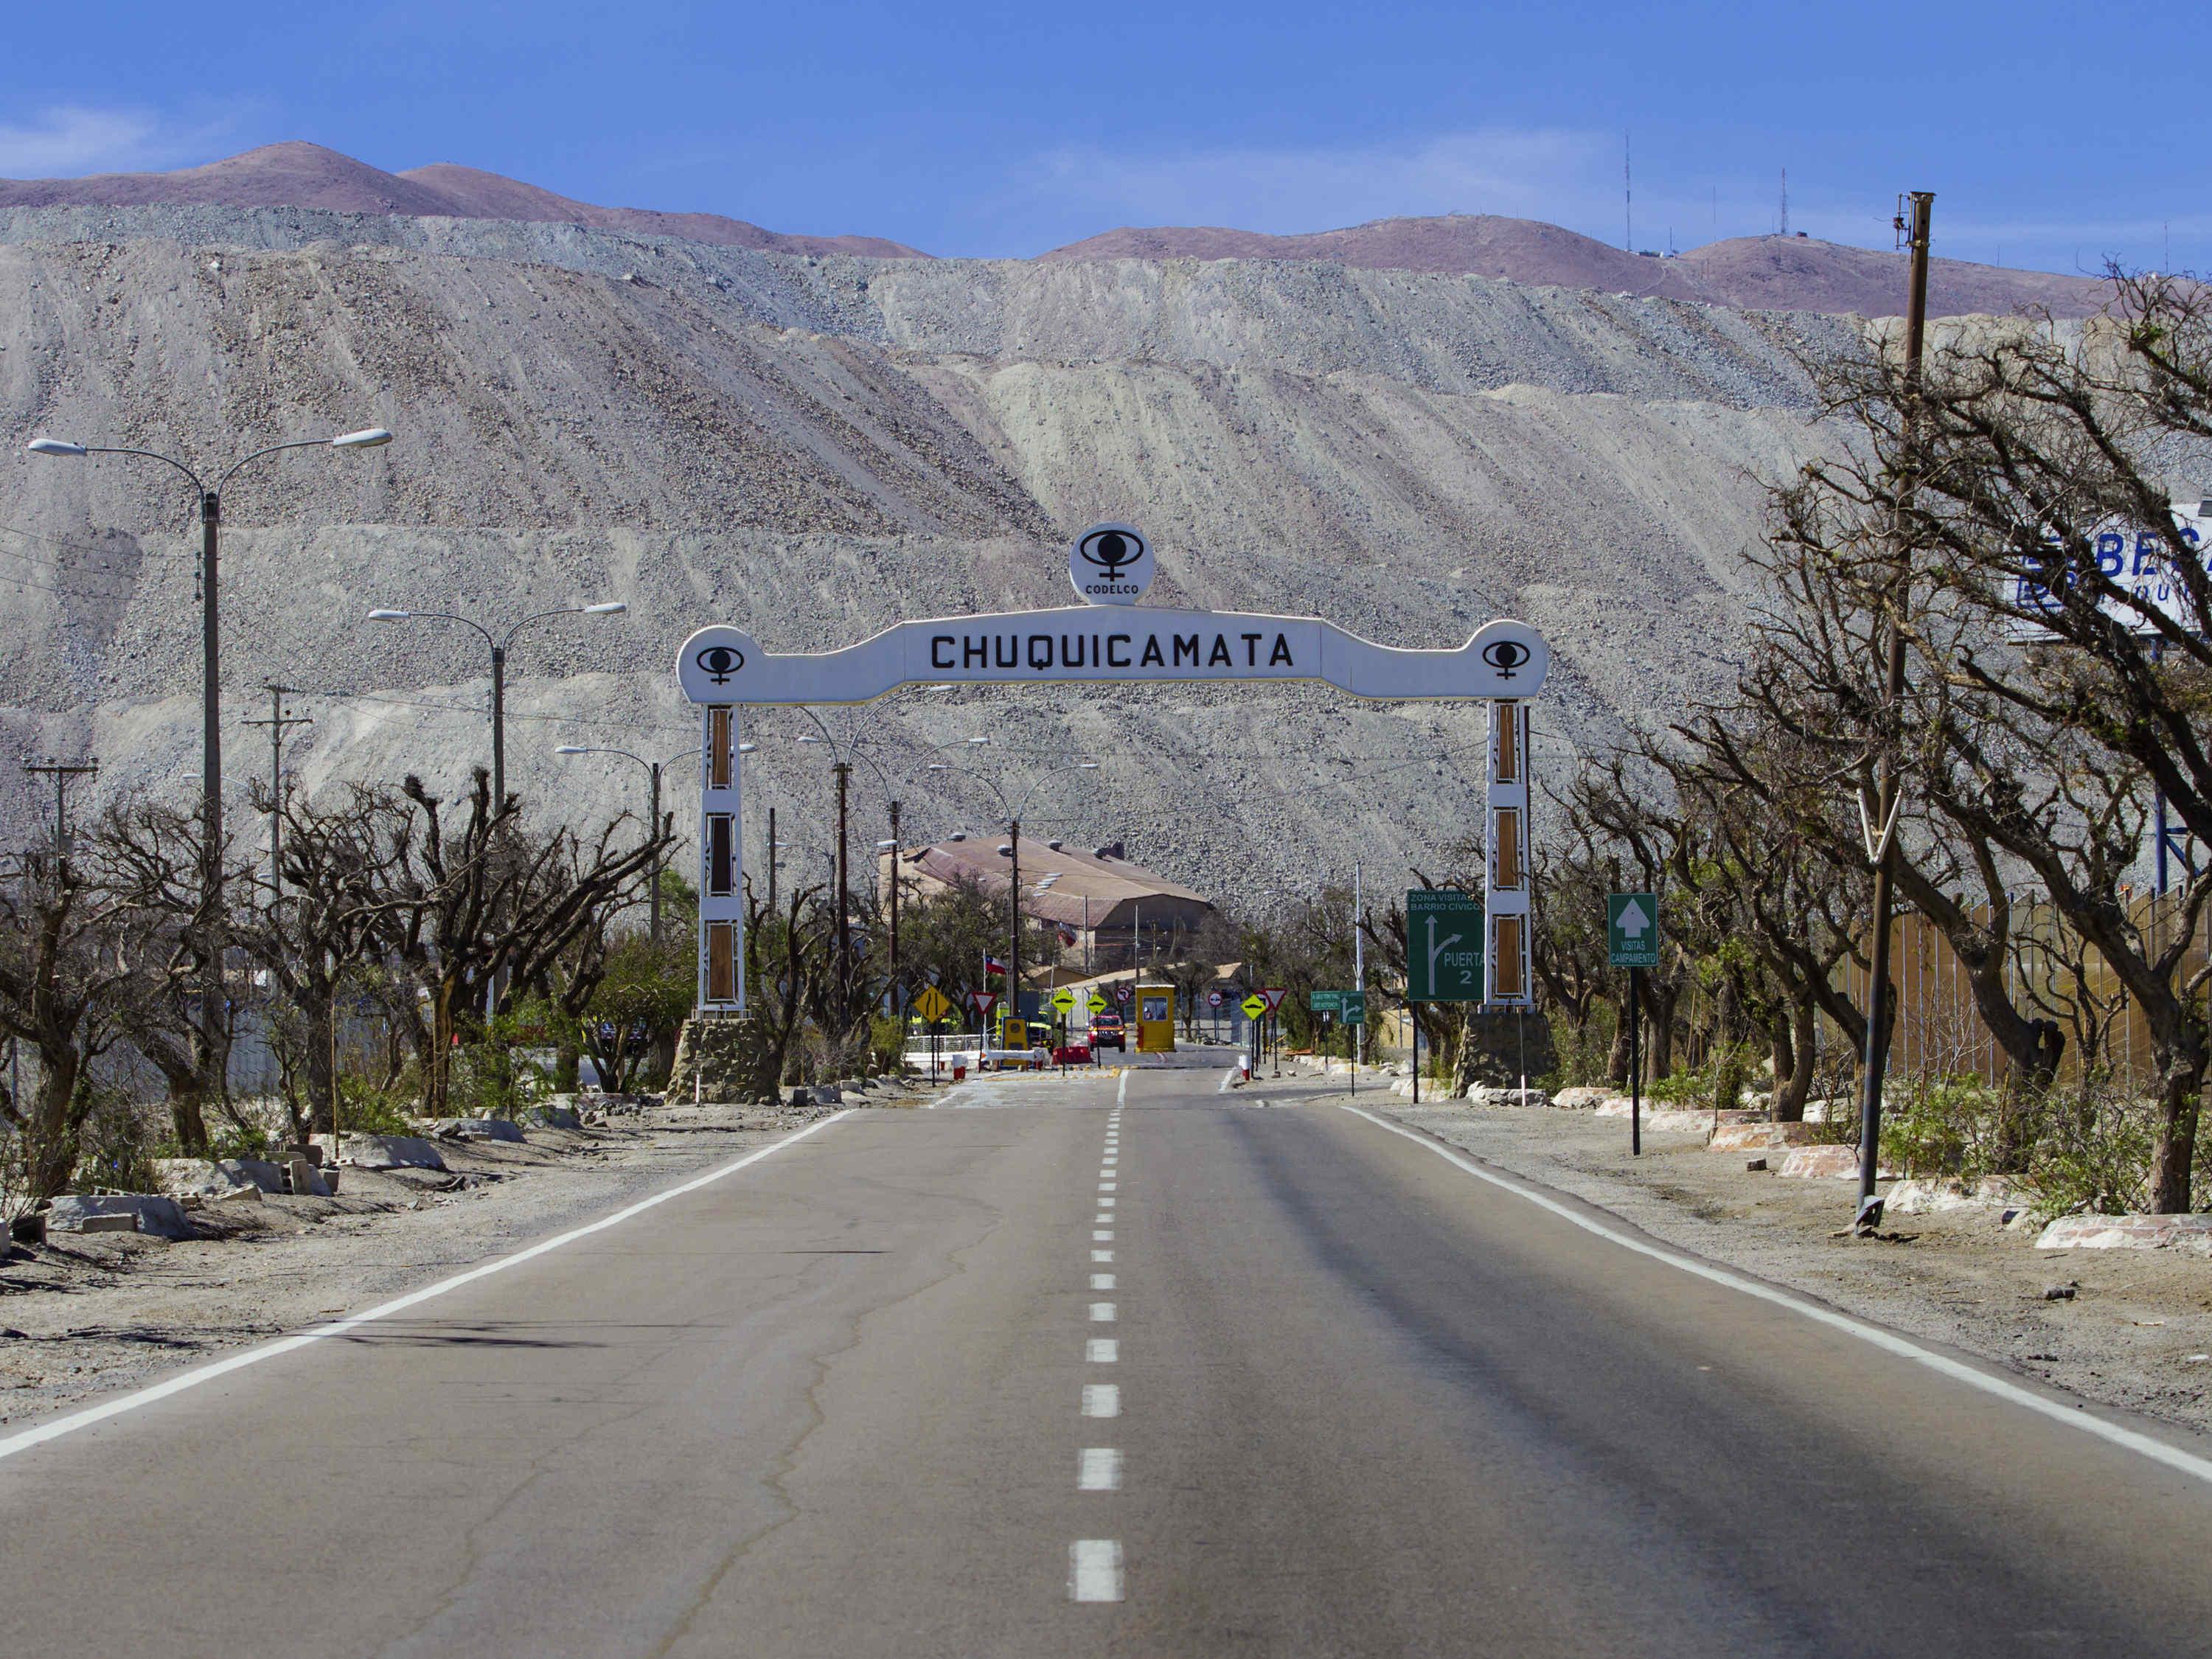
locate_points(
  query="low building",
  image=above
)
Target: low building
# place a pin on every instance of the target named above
(1104, 906)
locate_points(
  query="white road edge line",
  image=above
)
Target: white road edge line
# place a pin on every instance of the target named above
(1094, 1569)
(2157, 1450)
(27, 1438)
(1227, 1078)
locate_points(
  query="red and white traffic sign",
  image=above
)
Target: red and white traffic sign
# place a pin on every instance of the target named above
(1273, 995)
(983, 1002)
(1123, 994)
(1215, 999)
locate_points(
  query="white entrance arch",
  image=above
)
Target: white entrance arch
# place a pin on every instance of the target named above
(723, 669)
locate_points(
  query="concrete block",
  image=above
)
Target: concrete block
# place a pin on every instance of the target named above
(392, 1152)
(2129, 1232)
(144, 1212)
(305, 1179)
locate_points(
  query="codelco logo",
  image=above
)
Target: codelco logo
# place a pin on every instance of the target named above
(1110, 564)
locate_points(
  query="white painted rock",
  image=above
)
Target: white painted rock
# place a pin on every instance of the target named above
(2127, 1232)
(1821, 1163)
(1919, 1197)
(162, 1217)
(554, 1117)
(392, 1152)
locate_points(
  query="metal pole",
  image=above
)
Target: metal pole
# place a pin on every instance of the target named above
(498, 727)
(1635, 1062)
(278, 720)
(1358, 974)
(1879, 993)
(211, 995)
(771, 861)
(844, 922)
(1014, 958)
(897, 1007)
(651, 831)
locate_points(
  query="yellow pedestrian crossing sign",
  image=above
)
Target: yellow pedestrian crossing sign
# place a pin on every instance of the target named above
(932, 1004)
(1255, 1006)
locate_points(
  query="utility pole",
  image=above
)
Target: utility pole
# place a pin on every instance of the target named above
(1014, 892)
(653, 829)
(62, 773)
(276, 723)
(773, 843)
(844, 770)
(1359, 967)
(1881, 850)
(897, 1007)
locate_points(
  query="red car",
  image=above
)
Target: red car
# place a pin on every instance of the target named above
(1107, 1031)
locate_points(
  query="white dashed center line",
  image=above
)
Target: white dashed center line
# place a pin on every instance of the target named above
(1102, 1281)
(1101, 1255)
(1105, 1236)
(1105, 1203)
(1103, 1351)
(1094, 1569)
(1098, 1469)
(1102, 1313)
(1101, 1400)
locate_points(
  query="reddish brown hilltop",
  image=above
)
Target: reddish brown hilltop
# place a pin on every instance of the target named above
(1765, 272)
(304, 175)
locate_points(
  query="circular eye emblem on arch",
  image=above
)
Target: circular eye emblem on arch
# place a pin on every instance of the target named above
(1110, 564)
(1506, 656)
(721, 661)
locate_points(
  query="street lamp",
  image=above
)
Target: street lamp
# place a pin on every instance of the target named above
(210, 506)
(608, 608)
(652, 814)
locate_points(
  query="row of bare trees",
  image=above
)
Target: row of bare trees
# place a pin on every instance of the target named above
(441, 916)
(2014, 514)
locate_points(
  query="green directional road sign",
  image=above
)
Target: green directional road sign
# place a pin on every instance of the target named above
(1632, 930)
(1325, 1002)
(1443, 946)
(1355, 1006)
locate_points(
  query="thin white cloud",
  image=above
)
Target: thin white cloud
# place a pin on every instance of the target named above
(64, 140)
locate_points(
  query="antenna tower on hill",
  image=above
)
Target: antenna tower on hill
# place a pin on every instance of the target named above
(1627, 200)
(1785, 201)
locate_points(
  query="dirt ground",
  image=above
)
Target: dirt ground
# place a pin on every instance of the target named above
(2136, 1332)
(85, 1314)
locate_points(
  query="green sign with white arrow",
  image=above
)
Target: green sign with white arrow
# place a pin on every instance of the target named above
(1443, 946)
(1632, 930)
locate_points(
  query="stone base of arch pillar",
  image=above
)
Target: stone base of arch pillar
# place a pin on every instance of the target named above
(722, 1060)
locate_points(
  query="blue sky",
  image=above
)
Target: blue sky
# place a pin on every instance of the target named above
(991, 129)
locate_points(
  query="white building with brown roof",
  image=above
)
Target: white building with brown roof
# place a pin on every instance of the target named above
(1105, 901)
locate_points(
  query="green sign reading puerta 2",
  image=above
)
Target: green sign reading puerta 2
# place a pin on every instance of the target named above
(1443, 946)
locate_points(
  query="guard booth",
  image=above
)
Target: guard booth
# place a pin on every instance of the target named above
(1156, 1019)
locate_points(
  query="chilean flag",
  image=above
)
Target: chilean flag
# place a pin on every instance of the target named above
(992, 965)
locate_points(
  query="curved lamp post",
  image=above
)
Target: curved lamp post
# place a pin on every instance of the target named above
(610, 608)
(210, 508)
(654, 769)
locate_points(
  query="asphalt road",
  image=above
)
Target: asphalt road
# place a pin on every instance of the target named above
(1191, 1375)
